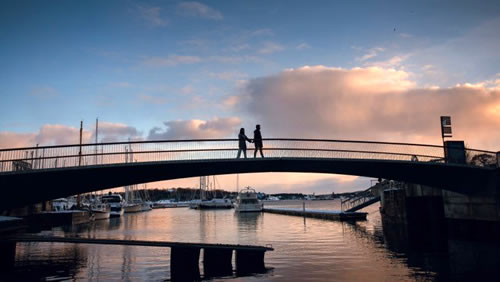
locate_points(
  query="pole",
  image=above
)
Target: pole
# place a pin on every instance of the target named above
(96, 134)
(80, 153)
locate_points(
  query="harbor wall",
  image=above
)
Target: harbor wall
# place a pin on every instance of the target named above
(415, 211)
(459, 216)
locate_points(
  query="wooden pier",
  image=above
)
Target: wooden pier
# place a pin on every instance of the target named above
(184, 257)
(322, 214)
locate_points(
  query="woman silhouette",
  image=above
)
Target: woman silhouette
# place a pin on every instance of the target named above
(242, 145)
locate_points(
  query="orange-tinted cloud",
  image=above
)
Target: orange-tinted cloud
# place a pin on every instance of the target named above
(196, 129)
(57, 134)
(370, 104)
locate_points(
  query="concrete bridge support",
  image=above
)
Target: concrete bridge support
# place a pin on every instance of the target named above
(217, 262)
(184, 264)
(7, 254)
(249, 261)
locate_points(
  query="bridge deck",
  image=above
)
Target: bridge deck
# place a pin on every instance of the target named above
(57, 239)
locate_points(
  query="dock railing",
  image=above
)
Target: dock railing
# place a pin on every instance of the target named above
(362, 199)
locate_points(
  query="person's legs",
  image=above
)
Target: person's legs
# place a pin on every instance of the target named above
(245, 153)
(239, 154)
(261, 154)
(255, 152)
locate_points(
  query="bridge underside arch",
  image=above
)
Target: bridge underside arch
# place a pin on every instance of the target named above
(28, 187)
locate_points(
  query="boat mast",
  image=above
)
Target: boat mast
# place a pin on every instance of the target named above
(237, 182)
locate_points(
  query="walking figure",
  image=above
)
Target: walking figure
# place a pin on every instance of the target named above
(242, 145)
(257, 139)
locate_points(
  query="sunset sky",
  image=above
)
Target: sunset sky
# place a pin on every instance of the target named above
(374, 70)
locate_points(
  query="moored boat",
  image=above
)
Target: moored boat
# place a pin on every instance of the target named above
(215, 203)
(132, 207)
(247, 201)
(100, 211)
(115, 202)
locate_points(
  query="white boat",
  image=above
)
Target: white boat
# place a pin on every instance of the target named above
(60, 204)
(100, 211)
(215, 203)
(169, 204)
(272, 199)
(247, 201)
(146, 206)
(208, 197)
(115, 202)
(132, 207)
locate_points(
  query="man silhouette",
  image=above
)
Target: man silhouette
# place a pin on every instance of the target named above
(257, 140)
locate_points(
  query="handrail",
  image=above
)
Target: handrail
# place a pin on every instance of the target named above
(167, 150)
(232, 139)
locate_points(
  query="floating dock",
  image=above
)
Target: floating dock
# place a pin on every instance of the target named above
(184, 257)
(322, 214)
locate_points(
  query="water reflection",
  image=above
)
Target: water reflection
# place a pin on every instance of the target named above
(35, 261)
(317, 250)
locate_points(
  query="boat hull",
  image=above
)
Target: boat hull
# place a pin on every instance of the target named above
(100, 215)
(132, 208)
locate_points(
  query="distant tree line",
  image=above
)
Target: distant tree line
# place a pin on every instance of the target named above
(187, 194)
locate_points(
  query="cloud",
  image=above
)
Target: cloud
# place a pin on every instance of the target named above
(196, 129)
(228, 75)
(188, 89)
(236, 59)
(303, 46)
(373, 52)
(197, 9)
(171, 60)
(370, 104)
(114, 132)
(57, 134)
(270, 47)
(392, 62)
(240, 47)
(150, 99)
(231, 101)
(152, 16)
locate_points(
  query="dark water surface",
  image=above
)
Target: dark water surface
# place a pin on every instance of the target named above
(310, 249)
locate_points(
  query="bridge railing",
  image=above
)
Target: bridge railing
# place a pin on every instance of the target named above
(47, 157)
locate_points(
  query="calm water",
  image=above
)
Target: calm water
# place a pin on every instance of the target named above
(311, 249)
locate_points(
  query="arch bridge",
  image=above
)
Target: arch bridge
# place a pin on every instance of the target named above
(35, 174)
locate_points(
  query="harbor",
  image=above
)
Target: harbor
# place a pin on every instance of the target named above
(249, 141)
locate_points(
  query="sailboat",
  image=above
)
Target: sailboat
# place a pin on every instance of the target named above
(208, 199)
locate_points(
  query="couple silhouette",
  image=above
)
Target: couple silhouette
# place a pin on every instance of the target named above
(257, 140)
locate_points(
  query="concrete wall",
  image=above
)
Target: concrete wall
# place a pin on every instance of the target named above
(460, 206)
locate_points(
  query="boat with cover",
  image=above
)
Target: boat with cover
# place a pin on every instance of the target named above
(115, 202)
(247, 201)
